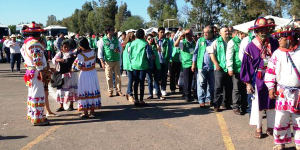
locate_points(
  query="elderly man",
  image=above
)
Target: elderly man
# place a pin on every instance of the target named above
(223, 82)
(187, 47)
(109, 54)
(252, 73)
(233, 64)
(15, 53)
(205, 74)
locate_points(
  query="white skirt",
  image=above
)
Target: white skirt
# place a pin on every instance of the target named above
(69, 90)
(88, 91)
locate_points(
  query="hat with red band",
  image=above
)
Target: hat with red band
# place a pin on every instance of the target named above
(261, 23)
(33, 28)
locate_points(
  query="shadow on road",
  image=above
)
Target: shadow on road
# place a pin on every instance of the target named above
(11, 137)
(152, 111)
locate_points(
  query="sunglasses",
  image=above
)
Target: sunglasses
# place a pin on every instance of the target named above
(150, 39)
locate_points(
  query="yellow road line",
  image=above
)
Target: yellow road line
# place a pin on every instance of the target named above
(226, 136)
(40, 138)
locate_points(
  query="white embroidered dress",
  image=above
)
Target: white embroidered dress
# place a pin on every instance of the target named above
(88, 85)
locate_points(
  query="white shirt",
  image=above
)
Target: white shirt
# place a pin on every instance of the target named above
(5, 44)
(230, 55)
(14, 47)
(243, 45)
(213, 47)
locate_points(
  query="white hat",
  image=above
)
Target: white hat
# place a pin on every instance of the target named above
(13, 36)
(18, 35)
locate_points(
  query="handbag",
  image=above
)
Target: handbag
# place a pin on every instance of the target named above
(57, 80)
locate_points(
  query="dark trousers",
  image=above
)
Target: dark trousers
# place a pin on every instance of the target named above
(7, 52)
(223, 89)
(187, 85)
(139, 79)
(153, 73)
(175, 68)
(49, 55)
(15, 57)
(121, 63)
(130, 82)
(249, 100)
(1, 55)
(164, 75)
(239, 93)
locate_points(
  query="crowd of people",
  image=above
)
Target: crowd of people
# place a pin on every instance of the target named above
(252, 72)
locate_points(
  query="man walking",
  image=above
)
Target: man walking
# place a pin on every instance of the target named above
(15, 53)
(205, 74)
(223, 82)
(109, 54)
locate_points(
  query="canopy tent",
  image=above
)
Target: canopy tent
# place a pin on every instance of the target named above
(150, 30)
(245, 26)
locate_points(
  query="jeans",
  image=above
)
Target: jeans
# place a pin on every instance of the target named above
(1, 55)
(130, 82)
(154, 72)
(164, 75)
(239, 94)
(7, 52)
(223, 89)
(139, 79)
(175, 69)
(15, 57)
(187, 85)
(205, 85)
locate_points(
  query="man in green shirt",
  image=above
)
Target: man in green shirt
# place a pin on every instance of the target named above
(233, 63)
(223, 81)
(187, 47)
(109, 54)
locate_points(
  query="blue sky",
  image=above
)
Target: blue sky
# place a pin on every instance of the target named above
(17, 11)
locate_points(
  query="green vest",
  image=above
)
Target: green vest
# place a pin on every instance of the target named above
(49, 45)
(110, 54)
(236, 61)
(221, 54)
(187, 53)
(155, 53)
(126, 59)
(165, 49)
(201, 52)
(138, 56)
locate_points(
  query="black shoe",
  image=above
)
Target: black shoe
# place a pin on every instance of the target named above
(70, 109)
(237, 111)
(216, 108)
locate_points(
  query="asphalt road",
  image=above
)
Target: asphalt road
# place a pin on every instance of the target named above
(172, 124)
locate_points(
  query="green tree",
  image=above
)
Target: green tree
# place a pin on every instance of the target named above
(122, 15)
(294, 6)
(12, 28)
(133, 22)
(159, 10)
(109, 10)
(51, 20)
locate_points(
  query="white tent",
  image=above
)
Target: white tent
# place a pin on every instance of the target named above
(130, 30)
(245, 26)
(150, 30)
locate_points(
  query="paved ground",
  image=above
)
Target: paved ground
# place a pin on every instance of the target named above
(172, 124)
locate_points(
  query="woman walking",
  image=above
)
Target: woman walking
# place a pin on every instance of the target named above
(88, 84)
(127, 65)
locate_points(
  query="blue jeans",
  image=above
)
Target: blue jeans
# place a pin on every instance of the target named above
(7, 52)
(130, 82)
(139, 79)
(154, 72)
(15, 57)
(205, 85)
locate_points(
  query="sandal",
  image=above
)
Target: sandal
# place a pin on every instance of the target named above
(258, 134)
(279, 147)
(60, 109)
(161, 98)
(269, 131)
(84, 116)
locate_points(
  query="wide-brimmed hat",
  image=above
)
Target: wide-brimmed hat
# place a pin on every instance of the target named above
(288, 30)
(33, 28)
(261, 23)
(13, 36)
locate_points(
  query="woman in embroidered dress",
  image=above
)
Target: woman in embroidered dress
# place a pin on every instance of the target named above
(35, 62)
(88, 85)
(68, 92)
(284, 85)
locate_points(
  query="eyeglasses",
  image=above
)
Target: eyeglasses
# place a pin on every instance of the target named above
(150, 39)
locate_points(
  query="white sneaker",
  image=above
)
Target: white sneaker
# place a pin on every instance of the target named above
(154, 91)
(163, 93)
